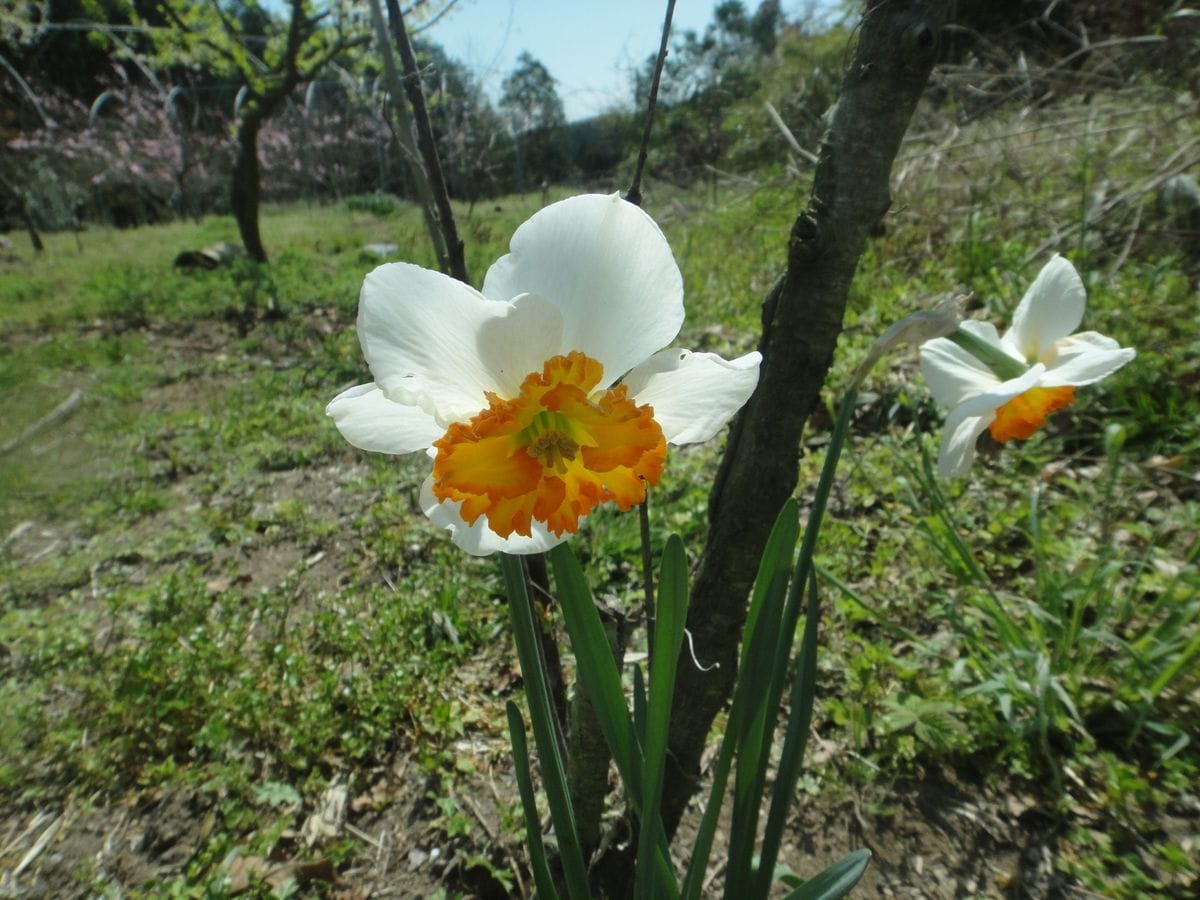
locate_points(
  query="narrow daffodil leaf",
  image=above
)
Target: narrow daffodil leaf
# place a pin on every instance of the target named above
(595, 667)
(756, 728)
(836, 881)
(898, 631)
(533, 830)
(804, 684)
(670, 619)
(795, 740)
(597, 673)
(754, 677)
(639, 707)
(545, 735)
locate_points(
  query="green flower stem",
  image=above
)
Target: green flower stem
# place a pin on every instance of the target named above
(541, 712)
(1002, 365)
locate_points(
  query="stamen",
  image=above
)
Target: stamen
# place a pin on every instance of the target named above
(554, 449)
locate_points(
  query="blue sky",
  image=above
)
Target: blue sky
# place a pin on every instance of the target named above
(589, 47)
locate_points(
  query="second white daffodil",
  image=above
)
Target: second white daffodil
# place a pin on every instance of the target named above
(546, 393)
(1009, 385)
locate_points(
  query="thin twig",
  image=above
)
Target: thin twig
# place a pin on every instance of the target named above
(1125, 251)
(787, 133)
(61, 411)
(37, 822)
(404, 137)
(1176, 163)
(417, 171)
(18, 530)
(988, 145)
(426, 143)
(47, 122)
(42, 842)
(488, 828)
(370, 839)
(1058, 125)
(634, 195)
(434, 19)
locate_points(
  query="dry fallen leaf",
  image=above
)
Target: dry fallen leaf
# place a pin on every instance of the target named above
(245, 871)
(326, 821)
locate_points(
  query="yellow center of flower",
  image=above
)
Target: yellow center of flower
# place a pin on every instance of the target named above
(1024, 414)
(551, 453)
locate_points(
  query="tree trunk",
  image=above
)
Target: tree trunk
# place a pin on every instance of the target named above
(518, 165)
(245, 188)
(34, 238)
(802, 318)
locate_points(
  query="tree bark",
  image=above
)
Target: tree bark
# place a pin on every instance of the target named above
(34, 238)
(802, 319)
(246, 185)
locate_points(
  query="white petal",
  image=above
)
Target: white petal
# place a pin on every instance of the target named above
(966, 421)
(478, 539)
(954, 374)
(986, 403)
(436, 342)
(1086, 358)
(1050, 310)
(1085, 340)
(608, 268)
(370, 421)
(958, 442)
(514, 345)
(693, 394)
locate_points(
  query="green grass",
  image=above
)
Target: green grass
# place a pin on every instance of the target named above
(179, 630)
(206, 594)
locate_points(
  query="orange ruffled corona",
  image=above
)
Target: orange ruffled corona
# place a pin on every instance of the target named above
(1024, 414)
(552, 453)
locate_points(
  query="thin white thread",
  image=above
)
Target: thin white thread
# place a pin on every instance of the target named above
(692, 653)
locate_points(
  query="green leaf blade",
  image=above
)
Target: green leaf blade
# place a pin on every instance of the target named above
(835, 881)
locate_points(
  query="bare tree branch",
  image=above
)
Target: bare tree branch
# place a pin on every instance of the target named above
(425, 141)
(634, 195)
(403, 135)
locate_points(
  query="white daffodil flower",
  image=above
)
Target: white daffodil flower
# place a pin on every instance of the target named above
(546, 393)
(1009, 385)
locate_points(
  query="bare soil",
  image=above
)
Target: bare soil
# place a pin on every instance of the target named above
(931, 838)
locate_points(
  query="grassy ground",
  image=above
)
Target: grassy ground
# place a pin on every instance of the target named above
(235, 655)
